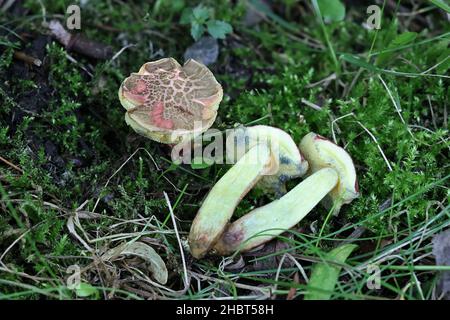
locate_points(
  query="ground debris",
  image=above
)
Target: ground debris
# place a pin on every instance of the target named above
(205, 50)
(78, 43)
(441, 250)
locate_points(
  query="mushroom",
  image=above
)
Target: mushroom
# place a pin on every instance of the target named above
(331, 172)
(170, 103)
(289, 161)
(263, 152)
(266, 222)
(321, 153)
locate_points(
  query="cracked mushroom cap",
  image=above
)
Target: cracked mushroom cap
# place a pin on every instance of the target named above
(169, 103)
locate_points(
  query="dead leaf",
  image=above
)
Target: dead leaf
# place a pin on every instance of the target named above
(293, 290)
(441, 250)
(156, 264)
(72, 230)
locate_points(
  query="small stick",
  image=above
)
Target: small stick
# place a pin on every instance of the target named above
(78, 43)
(433, 118)
(325, 81)
(12, 165)
(312, 105)
(20, 55)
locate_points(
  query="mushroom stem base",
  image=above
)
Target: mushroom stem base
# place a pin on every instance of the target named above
(269, 221)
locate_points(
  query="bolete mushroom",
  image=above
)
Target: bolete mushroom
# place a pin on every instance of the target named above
(266, 222)
(289, 162)
(169, 103)
(330, 166)
(321, 153)
(263, 152)
(268, 152)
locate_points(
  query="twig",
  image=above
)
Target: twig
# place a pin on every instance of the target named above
(326, 81)
(264, 290)
(122, 50)
(435, 66)
(368, 132)
(7, 5)
(312, 105)
(397, 107)
(19, 55)
(12, 165)
(78, 43)
(73, 60)
(433, 118)
(12, 245)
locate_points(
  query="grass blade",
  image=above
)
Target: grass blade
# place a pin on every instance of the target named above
(325, 275)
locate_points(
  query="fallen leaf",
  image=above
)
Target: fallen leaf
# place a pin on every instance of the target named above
(72, 230)
(441, 250)
(293, 290)
(205, 50)
(156, 264)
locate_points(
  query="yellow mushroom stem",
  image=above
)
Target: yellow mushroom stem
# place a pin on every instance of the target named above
(262, 153)
(219, 205)
(269, 221)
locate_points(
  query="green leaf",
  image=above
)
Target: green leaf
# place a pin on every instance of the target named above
(86, 290)
(331, 10)
(403, 39)
(201, 14)
(186, 16)
(200, 163)
(176, 5)
(360, 62)
(441, 4)
(399, 41)
(390, 33)
(325, 275)
(218, 29)
(445, 65)
(173, 6)
(197, 30)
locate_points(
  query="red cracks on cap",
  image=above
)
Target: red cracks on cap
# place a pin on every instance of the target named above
(157, 115)
(134, 91)
(139, 87)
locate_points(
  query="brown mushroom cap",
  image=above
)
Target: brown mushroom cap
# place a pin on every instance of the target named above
(168, 102)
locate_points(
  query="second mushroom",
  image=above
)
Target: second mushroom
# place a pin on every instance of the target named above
(331, 177)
